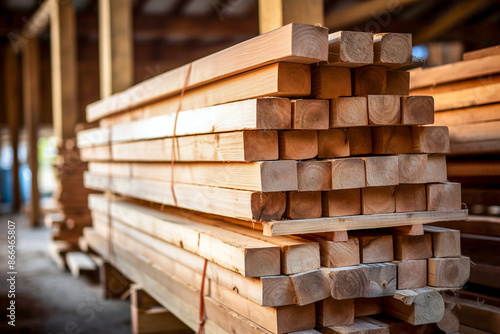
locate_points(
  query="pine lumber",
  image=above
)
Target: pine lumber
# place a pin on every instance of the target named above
(334, 143)
(428, 307)
(398, 83)
(245, 255)
(468, 97)
(360, 222)
(367, 306)
(477, 147)
(334, 236)
(384, 109)
(314, 175)
(254, 114)
(360, 326)
(454, 72)
(417, 110)
(310, 287)
(412, 274)
(348, 111)
(276, 13)
(477, 314)
(410, 198)
(310, 114)
(358, 287)
(332, 312)
(412, 247)
(448, 272)
(477, 54)
(80, 264)
(344, 202)
(450, 322)
(348, 173)
(381, 171)
(468, 116)
(368, 80)
(476, 168)
(377, 200)
(360, 140)
(443, 196)
(392, 140)
(382, 278)
(291, 43)
(436, 168)
(445, 241)
(392, 49)
(415, 229)
(375, 246)
(330, 82)
(336, 254)
(231, 146)
(431, 139)
(297, 145)
(222, 201)
(350, 48)
(469, 133)
(303, 204)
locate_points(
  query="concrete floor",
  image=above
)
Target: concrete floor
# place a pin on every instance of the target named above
(49, 300)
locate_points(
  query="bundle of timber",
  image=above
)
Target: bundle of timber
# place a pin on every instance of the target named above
(302, 135)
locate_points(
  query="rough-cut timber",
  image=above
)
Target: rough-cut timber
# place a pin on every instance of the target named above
(350, 48)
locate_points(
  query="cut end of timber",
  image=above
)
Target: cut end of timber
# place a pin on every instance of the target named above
(273, 113)
(268, 206)
(309, 42)
(261, 145)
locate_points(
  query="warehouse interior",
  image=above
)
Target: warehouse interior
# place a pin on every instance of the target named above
(386, 221)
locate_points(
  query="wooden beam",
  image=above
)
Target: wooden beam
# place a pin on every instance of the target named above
(481, 53)
(427, 307)
(13, 98)
(64, 70)
(350, 48)
(32, 109)
(116, 60)
(276, 13)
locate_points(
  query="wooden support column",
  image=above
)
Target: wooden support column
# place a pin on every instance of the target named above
(64, 69)
(31, 98)
(116, 67)
(276, 13)
(13, 108)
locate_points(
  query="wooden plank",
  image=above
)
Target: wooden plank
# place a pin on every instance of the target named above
(336, 254)
(330, 82)
(243, 254)
(13, 110)
(237, 203)
(384, 109)
(32, 110)
(482, 53)
(348, 112)
(359, 283)
(329, 224)
(310, 287)
(382, 278)
(375, 246)
(478, 315)
(276, 13)
(360, 140)
(445, 242)
(450, 322)
(431, 139)
(358, 327)
(416, 229)
(474, 168)
(478, 147)
(469, 133)
(417, 110)
(398, 83)
(410, 198)
(309, 43)
(303, 204)
(473, 115)
(443, 196)
(265, 176)
(436, 168)
(332, 312)
(349, 173)
(448, 272)
(314, 175)
(116, 59)
(412, 274)
(367, 306)
(254, 114)
(392, 49)
(231, 146)
(454, 72)
(469, 97)
(334, 143)
(412, 247)
(428, 307)
(344, 202)
(350, 48)
(297, 145)
(310, 114)
(369, 80)
(392, 140)
(64, 70)
(80, 264)
(334, 236)
(381, 171)
(377, 200)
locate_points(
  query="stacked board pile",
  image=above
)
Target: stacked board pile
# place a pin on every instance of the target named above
(302, 135)
(72, 197)
(467, 100)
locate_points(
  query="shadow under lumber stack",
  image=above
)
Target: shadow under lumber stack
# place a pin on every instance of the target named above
(303, 174)
(467, 99)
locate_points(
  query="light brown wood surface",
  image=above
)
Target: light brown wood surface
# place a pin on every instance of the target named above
(443, 196)
(392, 140)
(384, 109)
(412, 247)
(410, 198)
(298, 145)
(375, 246)
(310, 114)
(428, 307)
(332, 312)
(333, 143)
(445, 242)
(377, 200)
(344, 202)
(369, 80)
(350, 48)
(392, 49)
(412, 274)
(448, 272)
(304, 204)
(348, 112)
(330, 82)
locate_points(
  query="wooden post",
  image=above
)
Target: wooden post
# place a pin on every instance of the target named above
(276, 13)
(64, 69)
(116, 68)
(31, 97)
(12, 104)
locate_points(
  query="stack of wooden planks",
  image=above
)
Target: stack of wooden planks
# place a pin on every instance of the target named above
(467, 101)
(302, 135)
